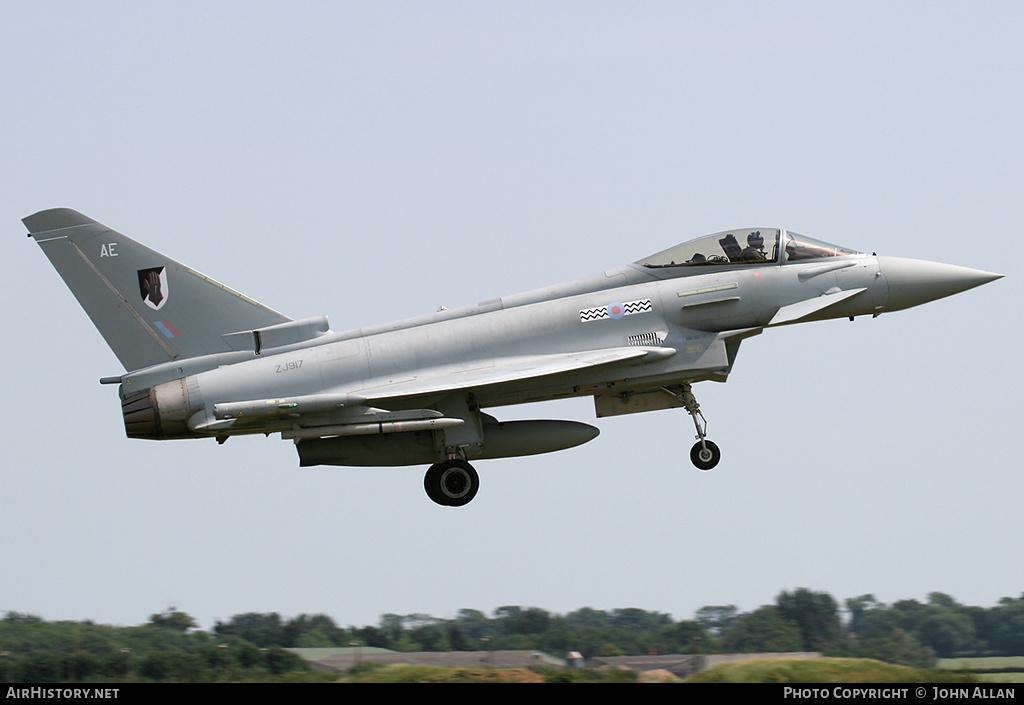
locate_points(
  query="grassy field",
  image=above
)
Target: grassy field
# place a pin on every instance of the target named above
(819, 670)
(823, 670)
(989, 663)
(996, 669)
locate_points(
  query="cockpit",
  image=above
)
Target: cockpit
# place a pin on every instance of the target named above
(748, 246)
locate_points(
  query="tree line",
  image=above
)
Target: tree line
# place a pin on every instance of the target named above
(907, 632)
(255, 645)
(169, 648)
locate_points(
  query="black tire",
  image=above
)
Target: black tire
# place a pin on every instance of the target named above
(705, 455)
(453, 483)
(431, 483)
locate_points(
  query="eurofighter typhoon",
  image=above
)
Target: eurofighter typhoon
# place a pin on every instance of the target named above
(204, 361)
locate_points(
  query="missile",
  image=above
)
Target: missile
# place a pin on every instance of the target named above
(371, 429)
(261, 408)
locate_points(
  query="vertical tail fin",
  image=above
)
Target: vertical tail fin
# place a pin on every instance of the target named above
(149, 308)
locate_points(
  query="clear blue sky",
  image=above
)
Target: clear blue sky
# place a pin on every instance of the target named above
(372, 161)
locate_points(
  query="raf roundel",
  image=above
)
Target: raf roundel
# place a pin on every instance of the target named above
(616, 310)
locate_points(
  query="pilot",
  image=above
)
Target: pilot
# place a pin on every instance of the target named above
(697, 258)
(754, 251)
(731, 247)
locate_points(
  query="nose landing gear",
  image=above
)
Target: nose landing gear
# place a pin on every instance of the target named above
(704, 454)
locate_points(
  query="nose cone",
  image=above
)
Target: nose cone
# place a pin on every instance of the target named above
(913, 282)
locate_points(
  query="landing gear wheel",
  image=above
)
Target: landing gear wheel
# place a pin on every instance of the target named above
(452, 483)
(705, 455)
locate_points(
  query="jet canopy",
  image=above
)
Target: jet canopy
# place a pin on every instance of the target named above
(746, 246)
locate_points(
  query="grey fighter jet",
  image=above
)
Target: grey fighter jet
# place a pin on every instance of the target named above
(204, 361)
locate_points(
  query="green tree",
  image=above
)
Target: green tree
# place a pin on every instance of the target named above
(763, 630)
(898, 647)
(172, 619)
(322, 629)
(313, 639)
(717, 618)
(474, 624)
(261, 629)
(689, 637)
(637, 619)
(587, 617)
(40, 667)
(609, 649)
(280, 661)
(941, 599)
(516, 620)
(816, 616)
(21, 618)
(859, 607)
(947, 631)
(1005, 627)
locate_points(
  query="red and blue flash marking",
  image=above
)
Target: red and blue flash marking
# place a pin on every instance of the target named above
(167, 329)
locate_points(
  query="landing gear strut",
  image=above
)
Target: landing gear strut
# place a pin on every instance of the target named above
(704, 454)
(452, 483)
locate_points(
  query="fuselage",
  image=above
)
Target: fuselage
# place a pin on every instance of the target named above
(676, 318)
(205, 361)
(684, 311)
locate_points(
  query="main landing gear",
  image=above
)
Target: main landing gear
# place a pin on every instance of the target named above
(452, 483)
(704, 454)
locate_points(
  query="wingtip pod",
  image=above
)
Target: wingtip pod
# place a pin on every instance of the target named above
(54, 219)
